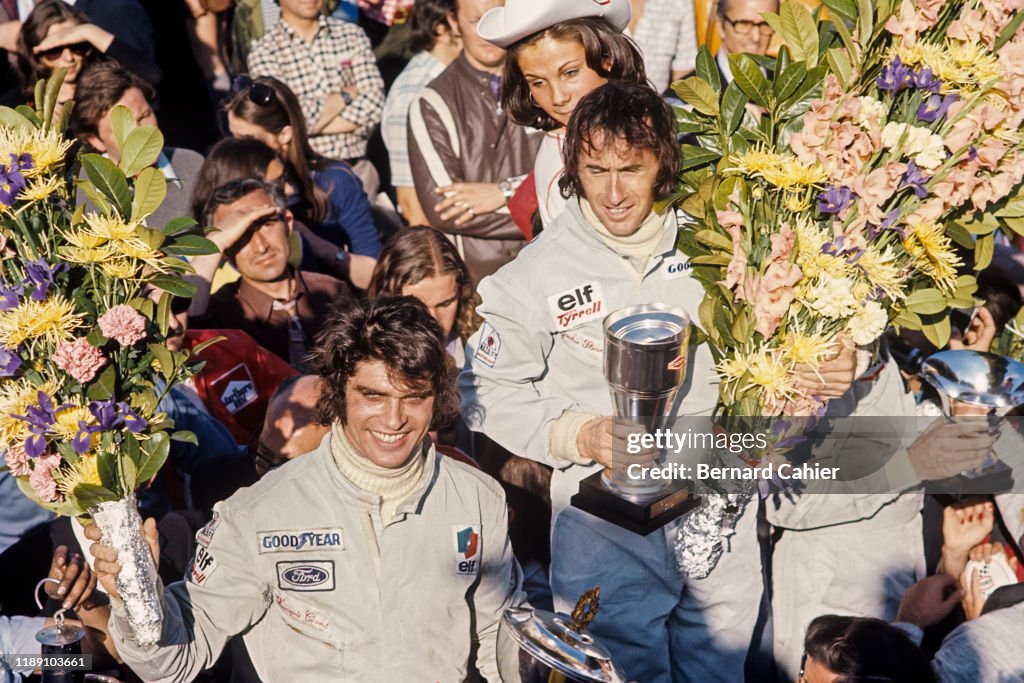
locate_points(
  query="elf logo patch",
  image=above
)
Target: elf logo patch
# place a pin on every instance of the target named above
(489, 346)
(467, 550)
(577, 305)
(202, 566)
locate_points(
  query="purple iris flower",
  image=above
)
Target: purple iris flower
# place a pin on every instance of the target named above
(106, 415)
(132, 421)
(83, 438)
(11, 182)
(10, 297)
(40, 274)
(837, 247)
(935, 108)
(894, 77)
(915, 179)
(836, 199)
(926, 80)
(972, 153)
(10, 361)
(40, 419)
(23, 162)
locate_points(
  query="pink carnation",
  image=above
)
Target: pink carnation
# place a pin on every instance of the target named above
(17, 461)
(123, 323)
(41, 479)
(80, 359)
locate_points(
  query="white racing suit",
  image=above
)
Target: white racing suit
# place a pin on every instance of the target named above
(538, 354)
(321, 590)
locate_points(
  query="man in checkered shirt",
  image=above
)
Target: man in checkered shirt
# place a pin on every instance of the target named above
(330, 66)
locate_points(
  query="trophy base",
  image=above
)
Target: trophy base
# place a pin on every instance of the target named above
(997, 478)
(639, 517)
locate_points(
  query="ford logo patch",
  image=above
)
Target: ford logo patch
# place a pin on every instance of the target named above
(306, 576)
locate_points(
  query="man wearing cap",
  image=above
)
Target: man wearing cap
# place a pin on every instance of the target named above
(373, 558)
(533, 382)
(467, 158)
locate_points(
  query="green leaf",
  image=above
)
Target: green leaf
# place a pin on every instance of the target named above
(103, 387)
(150, 191)
(698, 93)
(926, 302)
(1008, 31)
(789, 80)
(813, 81)
(88, 495)
(694, 156)
(937, 332)
(1013, 209)
(190, 245)
(1015, 224)
(174, 285)
(865, 21)
(185, 436)
(200, 347)
(94, 196)
(50, 93)
(747, 75)
(141, 149)
(129, 474)
(154, 454)
(798, 32)
(109, 180)
(984, 225)
(163, 313)
(908, 319)
(733, 107)
(714, 239)
(162, 356)
(178, 225)
(741, 328)
(707, 68)
(712, 260)
(694, 205)
(106, 465)
(840, 65)
(847, 9)
(959, 234)
(96, 338)
(983, 250)
(122, 122)
(9, 118)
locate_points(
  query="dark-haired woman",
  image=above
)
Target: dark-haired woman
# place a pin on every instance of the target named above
(549, 70)
(331, 199)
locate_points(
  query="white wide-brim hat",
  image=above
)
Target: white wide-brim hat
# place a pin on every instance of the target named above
(521, 18)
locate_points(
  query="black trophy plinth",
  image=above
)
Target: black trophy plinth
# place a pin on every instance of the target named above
(996, 478)
(639, 517)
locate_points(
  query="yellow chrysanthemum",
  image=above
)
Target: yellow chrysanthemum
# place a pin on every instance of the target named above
(932, 253)
(813, 348)
(40, 189)
(769, 374)
(791, 173)
(86, 255)
(123, 269)
(797, 202)
(52, 320)
(136, 249)
(962, 67)
(757, 160)
(85, 471)
(16, 395)
(83, 239)
(880, 270)
(68, 417)
(862, 290)
(109, 227)
(46, 148)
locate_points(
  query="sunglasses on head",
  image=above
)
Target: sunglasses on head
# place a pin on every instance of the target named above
(79, 49)
(260, 94)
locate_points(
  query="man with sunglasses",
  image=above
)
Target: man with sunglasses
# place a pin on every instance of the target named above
(742, 28)
(278, 305)
(373, 558)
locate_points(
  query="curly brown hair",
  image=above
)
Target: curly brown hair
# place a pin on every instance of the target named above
(396, 330)
(421, 252)
(609, 53)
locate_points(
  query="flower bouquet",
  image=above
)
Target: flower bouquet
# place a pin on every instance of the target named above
(849, 184)
(83, 363)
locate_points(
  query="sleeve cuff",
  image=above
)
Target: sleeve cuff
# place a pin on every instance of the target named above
(913, 632)
(564, 431)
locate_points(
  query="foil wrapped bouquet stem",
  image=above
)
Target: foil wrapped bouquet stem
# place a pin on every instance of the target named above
(85, 297)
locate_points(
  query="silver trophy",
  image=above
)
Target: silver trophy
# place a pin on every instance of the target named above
(645, 352)
(535, 646)
(991, 382)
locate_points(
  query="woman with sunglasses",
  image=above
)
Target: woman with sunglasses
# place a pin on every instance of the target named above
(55, 35)
(238, 158)
(331, 199)
(558, 51)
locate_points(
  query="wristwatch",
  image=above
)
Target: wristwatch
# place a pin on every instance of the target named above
(346, 98)
(506, 189)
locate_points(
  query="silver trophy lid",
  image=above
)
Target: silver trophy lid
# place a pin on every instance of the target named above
(60, 635)
(647, 325)
(977, 378)
(551, 639)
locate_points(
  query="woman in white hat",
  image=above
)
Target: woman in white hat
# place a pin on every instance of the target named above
(558, 51)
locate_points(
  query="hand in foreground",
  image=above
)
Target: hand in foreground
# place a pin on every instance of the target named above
(465, 201)
(105, 557)
(979, 335)
(832, 378)
(929, 601)
(964, 527)
(77, 581)
(945, 449)
(607, 440)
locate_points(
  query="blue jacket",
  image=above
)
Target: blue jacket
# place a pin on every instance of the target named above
(349, 222)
